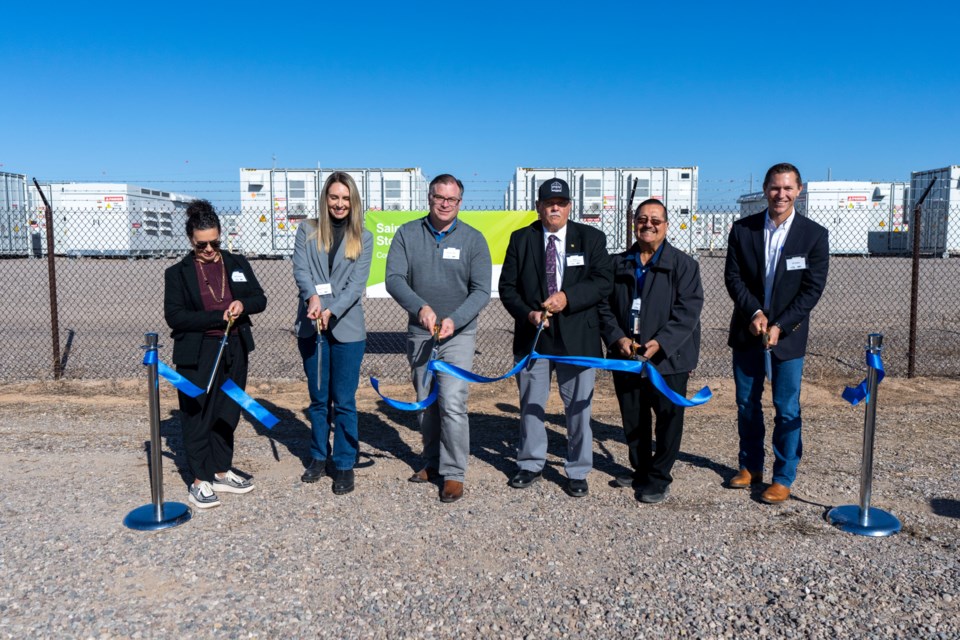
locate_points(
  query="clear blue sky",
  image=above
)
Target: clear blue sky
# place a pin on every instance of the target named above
(187, 93)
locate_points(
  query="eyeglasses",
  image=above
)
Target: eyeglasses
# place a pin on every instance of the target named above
(202, 246)
(653, 222)
(441, 200)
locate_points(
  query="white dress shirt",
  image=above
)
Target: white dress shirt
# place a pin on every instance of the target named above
(773, 239)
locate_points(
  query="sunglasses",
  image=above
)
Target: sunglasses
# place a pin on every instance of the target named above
(202, 246)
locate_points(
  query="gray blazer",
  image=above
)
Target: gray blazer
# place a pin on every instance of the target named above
(348, 281)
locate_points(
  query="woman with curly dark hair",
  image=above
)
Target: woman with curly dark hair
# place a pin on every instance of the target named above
(206, 292)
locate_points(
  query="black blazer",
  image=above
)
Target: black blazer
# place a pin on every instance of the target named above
(183, 307)
(523, 287)
(670, 312)
(795, 291)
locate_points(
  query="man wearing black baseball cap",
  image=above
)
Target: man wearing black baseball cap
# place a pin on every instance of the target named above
(555, 272)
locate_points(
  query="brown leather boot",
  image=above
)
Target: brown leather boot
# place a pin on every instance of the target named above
(424, 475)
(745, 478)
(452, 491)
(775, 494)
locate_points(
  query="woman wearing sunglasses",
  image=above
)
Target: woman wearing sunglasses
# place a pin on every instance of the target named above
(204, 294)
(331, 262)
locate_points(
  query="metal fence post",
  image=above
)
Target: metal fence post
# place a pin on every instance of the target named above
(915, 281)
(862, 519)
(158, 514)
(52, 285)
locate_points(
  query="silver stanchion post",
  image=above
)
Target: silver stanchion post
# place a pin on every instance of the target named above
(158, 514)
(863, 519)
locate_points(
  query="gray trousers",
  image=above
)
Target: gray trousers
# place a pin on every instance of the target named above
(576, 391)
(444, 425)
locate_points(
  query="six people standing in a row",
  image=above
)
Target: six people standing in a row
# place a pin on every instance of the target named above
(567, 297)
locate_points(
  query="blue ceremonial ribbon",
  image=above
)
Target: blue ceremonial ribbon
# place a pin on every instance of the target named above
(229, 387)
(854, 395)
(182, 384)
(409, 406)
(627, 366)
(251, 406)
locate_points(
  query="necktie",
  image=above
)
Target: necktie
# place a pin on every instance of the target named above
(551, 265)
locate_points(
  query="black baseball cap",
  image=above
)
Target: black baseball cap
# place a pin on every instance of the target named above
(553, 188)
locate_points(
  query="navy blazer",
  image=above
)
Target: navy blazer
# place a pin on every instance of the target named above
(670, 313)
(795, 291)
(523, 287)
(184, 312)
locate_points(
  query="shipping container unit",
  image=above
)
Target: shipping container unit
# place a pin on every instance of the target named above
(111, 219)
(940, 215)
(751, 203)
(14, 221)
(850, 210)
(600, 198)
(273, 202)
(714, 227)
(853, 212)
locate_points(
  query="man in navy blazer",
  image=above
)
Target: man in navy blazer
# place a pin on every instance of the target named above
(776, 270)
(559, 268)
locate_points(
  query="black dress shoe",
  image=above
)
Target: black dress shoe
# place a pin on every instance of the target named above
(626, 481)
(316, 470)
(577, 488)
(343, 481)
(653, 495)
(524, 479)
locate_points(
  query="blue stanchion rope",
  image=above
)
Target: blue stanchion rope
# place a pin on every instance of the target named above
(855, 395)
(233, 391)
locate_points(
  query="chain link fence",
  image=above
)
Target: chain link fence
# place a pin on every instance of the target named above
(109, 292)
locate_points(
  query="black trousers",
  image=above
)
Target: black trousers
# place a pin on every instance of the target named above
(209, 423)
(640, 403)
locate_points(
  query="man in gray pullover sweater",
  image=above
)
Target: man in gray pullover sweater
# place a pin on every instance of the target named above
(439, 270)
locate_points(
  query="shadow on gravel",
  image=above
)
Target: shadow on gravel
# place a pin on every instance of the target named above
(946, 507)
(384, 435)
(172, 437)
(604, 432)
(292, 432)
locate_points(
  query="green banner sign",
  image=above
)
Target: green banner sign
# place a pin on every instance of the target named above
(496, 227)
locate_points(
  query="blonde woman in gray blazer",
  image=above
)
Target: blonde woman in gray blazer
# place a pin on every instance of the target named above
(331, 262)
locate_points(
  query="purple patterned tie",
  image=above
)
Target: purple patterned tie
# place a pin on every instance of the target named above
(551, 265)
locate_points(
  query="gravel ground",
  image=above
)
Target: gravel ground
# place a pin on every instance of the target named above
(391, 561)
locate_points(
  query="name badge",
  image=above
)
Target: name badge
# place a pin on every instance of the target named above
(796, 263)
(451, 253)
(575, 260)
(636, 305)
(324, 289)
(238, 276)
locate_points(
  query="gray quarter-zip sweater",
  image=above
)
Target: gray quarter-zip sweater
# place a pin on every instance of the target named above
(451, 275)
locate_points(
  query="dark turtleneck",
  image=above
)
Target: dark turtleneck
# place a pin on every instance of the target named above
(339, 229)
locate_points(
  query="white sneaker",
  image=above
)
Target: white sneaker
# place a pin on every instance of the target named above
(232, 483)
(202, 496)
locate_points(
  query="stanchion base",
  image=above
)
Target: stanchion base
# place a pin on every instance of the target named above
(879, 523)
(145, 518)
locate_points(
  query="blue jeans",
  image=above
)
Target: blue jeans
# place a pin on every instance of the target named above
(339, 377)
(748, 374)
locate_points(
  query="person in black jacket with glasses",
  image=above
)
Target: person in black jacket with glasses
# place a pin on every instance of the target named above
(653, 313)
(202, 293)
